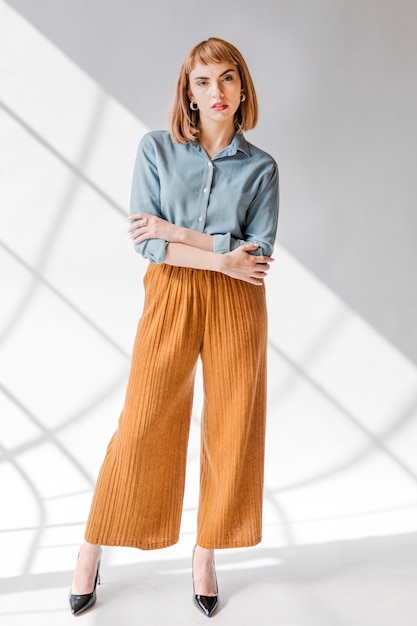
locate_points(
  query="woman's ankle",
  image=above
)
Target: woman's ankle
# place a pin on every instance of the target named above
(204, 576)
(90, 549)
(86, 568)
(204, 554)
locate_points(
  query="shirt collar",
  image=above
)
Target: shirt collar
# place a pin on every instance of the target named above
(238, 144)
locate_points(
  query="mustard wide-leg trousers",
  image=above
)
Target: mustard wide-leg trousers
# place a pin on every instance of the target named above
(139, 493)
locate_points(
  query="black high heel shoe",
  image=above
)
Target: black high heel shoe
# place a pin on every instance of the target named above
(80, 603)
(206, 604)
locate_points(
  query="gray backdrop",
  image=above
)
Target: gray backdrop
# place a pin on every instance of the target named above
(338, 92)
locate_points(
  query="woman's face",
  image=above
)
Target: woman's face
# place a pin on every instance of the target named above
(216, 88)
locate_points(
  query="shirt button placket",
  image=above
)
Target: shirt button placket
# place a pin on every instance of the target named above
(206, 192)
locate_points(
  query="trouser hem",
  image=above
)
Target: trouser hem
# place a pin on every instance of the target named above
(133, 543)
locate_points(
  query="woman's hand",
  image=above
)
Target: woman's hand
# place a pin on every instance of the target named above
(244, 266)
(146, 226)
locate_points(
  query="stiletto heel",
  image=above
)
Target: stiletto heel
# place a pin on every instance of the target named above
(206, 604)
(80, 603)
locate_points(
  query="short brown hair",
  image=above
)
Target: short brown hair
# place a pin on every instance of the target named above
(183, 122)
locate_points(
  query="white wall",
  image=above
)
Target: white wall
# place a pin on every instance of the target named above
(336, 80)
(341, 469)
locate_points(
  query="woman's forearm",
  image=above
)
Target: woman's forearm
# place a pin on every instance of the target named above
(192, 249)
(195, 239)
(186, 255)
(144, 226)
(237, 264)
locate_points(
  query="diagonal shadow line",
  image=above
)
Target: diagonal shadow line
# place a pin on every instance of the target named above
(378, 442)
(333, 327)
(57, 224)
(61, 215)
(69, 422)
(47, 436)
(94, 403)
(356, 458)
(42, 513)
(286, 523)
(77, 171)
(65, 300)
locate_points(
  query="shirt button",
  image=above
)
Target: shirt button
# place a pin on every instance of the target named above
(210, 164)
(205, 189)
(200, 219)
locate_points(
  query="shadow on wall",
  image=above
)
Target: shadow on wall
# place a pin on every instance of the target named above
(340, 459)
(336, 83)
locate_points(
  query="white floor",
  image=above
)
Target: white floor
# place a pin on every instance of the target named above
(358, 583)
(340, 527)
(354, 583)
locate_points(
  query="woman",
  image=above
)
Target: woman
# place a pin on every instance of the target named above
(204, 210)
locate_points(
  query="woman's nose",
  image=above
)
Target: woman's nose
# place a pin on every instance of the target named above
(217, 91)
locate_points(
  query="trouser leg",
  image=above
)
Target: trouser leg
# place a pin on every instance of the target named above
(139, 493)
(233, 421)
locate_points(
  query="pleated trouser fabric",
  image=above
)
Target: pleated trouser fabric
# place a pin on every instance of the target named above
(139, 492)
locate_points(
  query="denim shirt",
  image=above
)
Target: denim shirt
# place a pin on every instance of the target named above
(233, 196)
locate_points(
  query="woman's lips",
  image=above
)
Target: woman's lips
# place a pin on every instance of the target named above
(219, 106)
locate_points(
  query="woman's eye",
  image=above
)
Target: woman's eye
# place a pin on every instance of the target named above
(202, 83)
(228, 78)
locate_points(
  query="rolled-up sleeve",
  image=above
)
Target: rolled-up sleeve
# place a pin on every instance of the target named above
(262, 216)
(145, 197)
(222, 243)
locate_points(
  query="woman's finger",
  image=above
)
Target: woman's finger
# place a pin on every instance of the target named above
(139, 222)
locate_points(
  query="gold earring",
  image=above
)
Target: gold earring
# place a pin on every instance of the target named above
(193, 106)
(242, 97)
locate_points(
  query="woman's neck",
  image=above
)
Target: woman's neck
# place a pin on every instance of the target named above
(214, 140)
